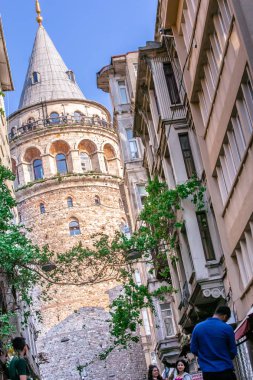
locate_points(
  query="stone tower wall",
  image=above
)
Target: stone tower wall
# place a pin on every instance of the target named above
(71, 305)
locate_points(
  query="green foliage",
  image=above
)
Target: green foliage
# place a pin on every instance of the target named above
(1, 109)
(160, 213)
(22, 261)
(18, 253)
(160, 221)
(6, 326)
(126, 310)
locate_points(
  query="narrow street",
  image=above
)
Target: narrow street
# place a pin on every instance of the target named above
(126, 190)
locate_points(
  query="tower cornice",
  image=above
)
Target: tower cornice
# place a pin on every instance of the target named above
(59, 101)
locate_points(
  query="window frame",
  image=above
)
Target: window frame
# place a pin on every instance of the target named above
(35, 77)
(42, 208)
(169, 317)
(141, 196)
(122, 87)
(85, 162)
(70, 202)
(205, 236)
(189, 163)
(71, 75)
(74, 227)
(61, 160)
(172, 85)
(132, 142)
(77, 116)
(54, 120)
(36, 168)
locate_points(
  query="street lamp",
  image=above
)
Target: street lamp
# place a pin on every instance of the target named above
(133, 254)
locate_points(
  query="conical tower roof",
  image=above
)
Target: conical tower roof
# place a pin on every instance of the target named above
(47, 78)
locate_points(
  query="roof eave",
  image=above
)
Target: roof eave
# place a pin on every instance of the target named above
(5, 70)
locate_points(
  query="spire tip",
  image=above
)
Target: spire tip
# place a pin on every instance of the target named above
(39, 18)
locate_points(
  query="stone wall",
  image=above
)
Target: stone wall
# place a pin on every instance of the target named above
(52, 228)
(77, 340)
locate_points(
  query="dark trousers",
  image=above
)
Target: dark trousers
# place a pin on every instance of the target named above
(224, 375)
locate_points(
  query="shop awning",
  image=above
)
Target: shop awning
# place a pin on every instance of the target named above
(245, 326)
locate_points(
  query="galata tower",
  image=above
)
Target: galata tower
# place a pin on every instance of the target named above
(65, 153)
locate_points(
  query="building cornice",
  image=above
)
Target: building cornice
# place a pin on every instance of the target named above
(5, 70)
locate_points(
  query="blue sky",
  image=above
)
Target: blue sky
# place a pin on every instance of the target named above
(86, 33)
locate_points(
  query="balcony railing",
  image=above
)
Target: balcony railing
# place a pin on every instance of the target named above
(60, 121)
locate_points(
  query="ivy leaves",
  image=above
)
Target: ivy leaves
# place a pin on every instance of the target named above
(160, 220)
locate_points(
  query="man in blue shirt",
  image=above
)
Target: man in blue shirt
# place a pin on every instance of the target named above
(213, 342)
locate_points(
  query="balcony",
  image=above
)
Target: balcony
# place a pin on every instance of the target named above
(168, 349)
(166, 14)
(61, 121)
(201, 302)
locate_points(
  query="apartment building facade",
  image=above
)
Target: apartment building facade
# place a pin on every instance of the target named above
(119, 80)
(214, 43)
(172, 153)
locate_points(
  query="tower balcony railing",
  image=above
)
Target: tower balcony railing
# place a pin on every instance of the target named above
(60, 121)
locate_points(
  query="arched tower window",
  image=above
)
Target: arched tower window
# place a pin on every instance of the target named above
(54, 118)
(74, 228)
(77, 116)
(35, 77)
(37, 169)
(85, 162)
(110, 160)
(69, 202)
(61, 163)
(42, 208)
(88, 156)
(97, 200)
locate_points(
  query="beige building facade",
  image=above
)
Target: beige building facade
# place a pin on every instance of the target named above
(119, 79)
(213, 41)
(172, 153)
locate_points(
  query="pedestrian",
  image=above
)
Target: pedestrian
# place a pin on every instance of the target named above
(18, 367)
(181, 371)
(153, 373)
(213, 342)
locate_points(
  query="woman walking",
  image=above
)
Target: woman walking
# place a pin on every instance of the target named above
(180, 372)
